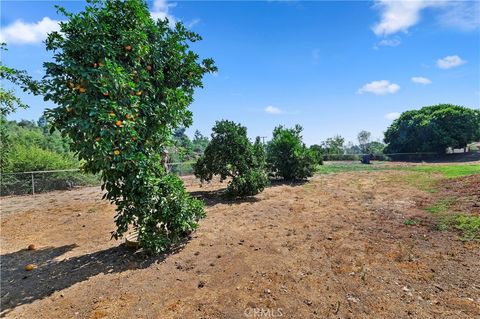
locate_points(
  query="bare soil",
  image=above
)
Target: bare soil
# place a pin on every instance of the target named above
(333, 247)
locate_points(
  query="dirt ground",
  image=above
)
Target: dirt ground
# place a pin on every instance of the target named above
(333, 247)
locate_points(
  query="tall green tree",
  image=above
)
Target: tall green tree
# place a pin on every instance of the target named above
(334, 145)
(231, 155)
(9, 102)
(123, 82)
(199, 142)
(288, 157)
(433, 129)
(363, 140)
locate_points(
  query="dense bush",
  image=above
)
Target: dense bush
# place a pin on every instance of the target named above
(433, 129)
(250, 183)
(287, 155)
(318, 152)
(231, 155)
(123, 83)
(34, 158)
(29, 147)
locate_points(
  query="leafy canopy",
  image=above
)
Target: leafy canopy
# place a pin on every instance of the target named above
(288, 157)
(123, 82)
(231, 155)
(433, 129)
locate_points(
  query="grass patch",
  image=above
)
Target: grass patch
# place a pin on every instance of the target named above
(448, 171)
(423, 181)
(425, 176)
(469, 226)
(440, 207)
(335, 167)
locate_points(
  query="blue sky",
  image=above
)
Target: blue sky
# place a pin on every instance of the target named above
(334, 67)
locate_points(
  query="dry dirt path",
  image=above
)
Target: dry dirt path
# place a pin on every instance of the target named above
(335, 247)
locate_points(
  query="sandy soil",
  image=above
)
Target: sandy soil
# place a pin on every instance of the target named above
(334, 247)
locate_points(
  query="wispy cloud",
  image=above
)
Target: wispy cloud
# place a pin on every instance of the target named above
(20, 32)
(393, 42)
(463, 15)
(273, 110)
(381, 87)
(193, 23)
(401, 15)
(450, 61)
(392, 116)
(420, 80)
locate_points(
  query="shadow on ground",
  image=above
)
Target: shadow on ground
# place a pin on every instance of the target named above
(22, 287)
(212, 198)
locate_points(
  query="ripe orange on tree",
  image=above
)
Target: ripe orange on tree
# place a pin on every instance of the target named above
(119, 123)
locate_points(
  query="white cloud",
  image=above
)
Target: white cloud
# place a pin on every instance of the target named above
(392, 116)
(273, 110)
(20, 32)
(161, 10)
(450, 61)
(421, 80)
(381, 87)
(400, 15)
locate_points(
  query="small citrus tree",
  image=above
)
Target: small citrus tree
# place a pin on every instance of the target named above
(288, 157)
(230, 154)
(122, 83)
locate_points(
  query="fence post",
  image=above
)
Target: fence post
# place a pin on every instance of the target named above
(33, 185)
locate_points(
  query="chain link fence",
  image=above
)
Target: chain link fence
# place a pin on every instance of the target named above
(43, 181)
(22, 183)
(383, 157)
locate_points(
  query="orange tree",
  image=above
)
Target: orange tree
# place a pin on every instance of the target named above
(122, 82)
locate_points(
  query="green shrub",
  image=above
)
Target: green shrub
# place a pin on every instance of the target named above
(250, 183)
(287, 155)
(231, 155)
(34, 158)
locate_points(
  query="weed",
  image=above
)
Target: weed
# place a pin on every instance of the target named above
(441, 206)
(469, 226)
(410, 222)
